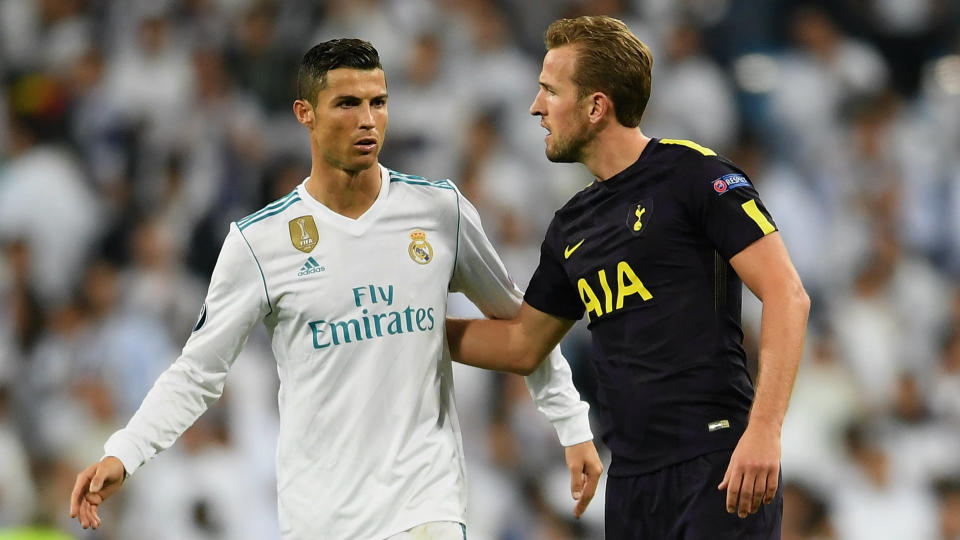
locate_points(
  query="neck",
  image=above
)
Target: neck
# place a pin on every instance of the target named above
(348, 193)
(614, 149)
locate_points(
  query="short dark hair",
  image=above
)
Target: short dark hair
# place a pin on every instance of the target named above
(610, 59)
(333, 54)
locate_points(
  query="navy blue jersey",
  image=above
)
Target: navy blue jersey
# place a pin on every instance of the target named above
(645, 254)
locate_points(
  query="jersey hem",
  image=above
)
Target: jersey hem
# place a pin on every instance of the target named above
(417, 522)
(619, 468)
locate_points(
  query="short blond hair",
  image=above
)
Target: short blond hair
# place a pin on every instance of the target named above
(610, 59)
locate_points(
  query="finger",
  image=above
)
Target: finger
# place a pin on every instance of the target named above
(773, 481)
(90, 518)
(576, 482)
(589, 490)
(726, 479)
(83, 514)
(759, 489)
(79, 489)
(746, 493)
(96, 518)
(93, 498)
(732, 484)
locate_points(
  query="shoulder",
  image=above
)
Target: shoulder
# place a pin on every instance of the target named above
(699, 168)
(688, 156)
(272, 212)
(401, 180)
(575, 205)
(259, 230)
(434, 194)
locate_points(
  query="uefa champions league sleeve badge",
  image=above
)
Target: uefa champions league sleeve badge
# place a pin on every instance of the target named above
(419, 249)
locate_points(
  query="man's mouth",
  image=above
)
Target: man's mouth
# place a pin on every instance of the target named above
(366, 144)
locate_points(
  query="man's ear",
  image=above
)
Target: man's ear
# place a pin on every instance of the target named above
(304, 112)
(599, 107)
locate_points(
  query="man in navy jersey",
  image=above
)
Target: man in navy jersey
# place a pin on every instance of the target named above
(655, 251)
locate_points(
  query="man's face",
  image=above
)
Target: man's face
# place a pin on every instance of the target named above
(350, 118)
(561, 111)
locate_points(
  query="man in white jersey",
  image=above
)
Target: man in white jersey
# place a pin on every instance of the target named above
(350, 274)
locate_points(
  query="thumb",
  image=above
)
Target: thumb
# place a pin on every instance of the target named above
(98, 479)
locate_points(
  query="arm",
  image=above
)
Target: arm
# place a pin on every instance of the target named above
(754, 468)
(518, 345)
(480, 274)
(235, 301)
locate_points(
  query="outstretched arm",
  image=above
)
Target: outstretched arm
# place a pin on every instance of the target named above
(753, 473)
(235, 301)
(517, 345)
(480, 274)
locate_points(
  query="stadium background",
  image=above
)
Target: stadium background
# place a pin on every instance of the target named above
(133, 132)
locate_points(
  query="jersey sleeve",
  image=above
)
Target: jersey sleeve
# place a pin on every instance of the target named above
(481, 276)
(550, 290)
(235, 301)
(726, 206)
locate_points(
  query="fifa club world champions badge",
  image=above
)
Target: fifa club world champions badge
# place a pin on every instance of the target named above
(303, 233)
(420, 250)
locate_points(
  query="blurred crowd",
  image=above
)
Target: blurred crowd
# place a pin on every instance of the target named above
(133, 132)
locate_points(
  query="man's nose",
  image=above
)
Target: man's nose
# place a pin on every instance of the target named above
(366, 116)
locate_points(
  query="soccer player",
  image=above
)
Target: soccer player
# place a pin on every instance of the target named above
(350, 274)
(654, 251)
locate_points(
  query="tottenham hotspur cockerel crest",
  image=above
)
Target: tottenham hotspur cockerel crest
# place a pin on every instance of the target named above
(420, 250)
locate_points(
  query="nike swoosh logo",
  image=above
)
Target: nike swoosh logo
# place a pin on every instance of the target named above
(568, 251)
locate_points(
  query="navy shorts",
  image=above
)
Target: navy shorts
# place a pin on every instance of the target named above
(682, 502)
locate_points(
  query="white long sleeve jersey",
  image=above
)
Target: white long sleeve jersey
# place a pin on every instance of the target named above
(369, 441)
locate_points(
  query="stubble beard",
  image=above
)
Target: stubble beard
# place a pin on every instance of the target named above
(571, 150)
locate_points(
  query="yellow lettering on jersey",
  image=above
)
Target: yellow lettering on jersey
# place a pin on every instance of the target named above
(607, 295)
(589, 298)
(690, 144)
(750, 207)
(627, 284)
(635, 286)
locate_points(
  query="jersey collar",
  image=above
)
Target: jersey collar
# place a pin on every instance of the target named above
(355, 226)
(633, 169)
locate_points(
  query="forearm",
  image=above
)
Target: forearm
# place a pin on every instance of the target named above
(489, 344)
(782, 329)
(180, 395)
(555, 396)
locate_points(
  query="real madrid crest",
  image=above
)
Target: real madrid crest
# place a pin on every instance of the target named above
(420, 250)
(303, 233)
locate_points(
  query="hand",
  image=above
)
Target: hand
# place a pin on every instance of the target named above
(585, 469)
(93, 486)
(754, 471)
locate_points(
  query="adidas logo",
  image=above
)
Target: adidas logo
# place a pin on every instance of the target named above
(310, 267)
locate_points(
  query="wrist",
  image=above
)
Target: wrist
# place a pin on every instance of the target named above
(765, 424)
